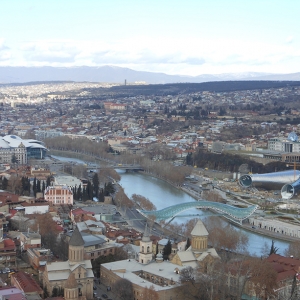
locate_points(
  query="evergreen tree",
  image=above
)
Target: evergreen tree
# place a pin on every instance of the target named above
(273, 249)
(34, 186)
(96, 184)
(101, 195)
(89, 189)
(48, 181)
(44, 187)
(79, 193)
(74, 193)
(188, 243)
(4, 183)
(14, 159)
(84, 194)
(38, 186)
(108, 189)
(167, 250)
(55, 292)
(294, 290)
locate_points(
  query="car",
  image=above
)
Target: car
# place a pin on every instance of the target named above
(94, 287)
(95, 294)
(104, 296)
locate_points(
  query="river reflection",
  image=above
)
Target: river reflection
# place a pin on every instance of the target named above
(162, 195)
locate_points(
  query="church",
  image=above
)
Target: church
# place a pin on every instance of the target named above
(163, 276)
(198, 255)
(74, 276)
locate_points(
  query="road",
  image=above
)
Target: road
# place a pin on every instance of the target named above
(102, 290)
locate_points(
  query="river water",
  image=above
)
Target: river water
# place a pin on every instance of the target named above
(162, 195)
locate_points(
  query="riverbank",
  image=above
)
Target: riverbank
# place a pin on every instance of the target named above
(195, 196)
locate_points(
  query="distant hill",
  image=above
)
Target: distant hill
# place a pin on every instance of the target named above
(112, 74)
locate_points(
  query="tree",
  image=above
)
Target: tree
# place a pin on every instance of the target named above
(34, 186)
(96, 184)
(14, 159)
(273, 249)
(108, 189)
(4, 183)
(199, 286)
(167, 250)
(188, 243)
(149, 293)
(55, 292)
(143, 202)
(47, 227)
(48, 181)
(38, 186)
(89, 190)
(79, 193)
(15, 184)
(123, 289)
(43, 187)
(293, 249)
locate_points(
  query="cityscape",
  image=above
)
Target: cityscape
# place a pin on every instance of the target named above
(149, 150)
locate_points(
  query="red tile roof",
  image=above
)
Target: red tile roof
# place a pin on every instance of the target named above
(26, 283)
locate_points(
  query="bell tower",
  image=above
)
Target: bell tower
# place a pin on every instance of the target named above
(145, 254)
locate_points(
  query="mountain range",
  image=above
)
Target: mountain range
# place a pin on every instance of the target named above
(113, 74)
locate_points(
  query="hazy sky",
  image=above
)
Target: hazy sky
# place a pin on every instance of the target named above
(189, 37)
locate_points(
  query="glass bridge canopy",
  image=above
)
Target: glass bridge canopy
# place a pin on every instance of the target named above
(234, 213)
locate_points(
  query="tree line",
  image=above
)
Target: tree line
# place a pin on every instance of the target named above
(162, 169)
(92, 189)
(230, 162)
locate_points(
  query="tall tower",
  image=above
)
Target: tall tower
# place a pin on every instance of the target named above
(76, 247)
(199, 237)
(145, 255)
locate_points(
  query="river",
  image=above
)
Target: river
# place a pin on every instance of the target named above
(162, 195)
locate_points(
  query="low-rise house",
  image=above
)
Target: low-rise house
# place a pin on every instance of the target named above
(7, 252)
(38, 257)
(27, 284)
(11, 292)
(30, 240)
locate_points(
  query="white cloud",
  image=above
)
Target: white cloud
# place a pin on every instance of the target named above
(189, 56)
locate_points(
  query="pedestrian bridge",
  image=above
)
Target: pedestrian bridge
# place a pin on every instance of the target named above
(228, 211)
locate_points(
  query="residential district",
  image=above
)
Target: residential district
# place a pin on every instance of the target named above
(66, 233)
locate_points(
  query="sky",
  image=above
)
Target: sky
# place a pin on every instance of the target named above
(187, 37)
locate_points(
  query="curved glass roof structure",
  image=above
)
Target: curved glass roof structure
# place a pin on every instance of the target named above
(231, 212)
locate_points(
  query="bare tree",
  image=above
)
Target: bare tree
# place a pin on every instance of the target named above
(150, 293)
(123, 289)
(226, 236)
(14, 184)
(293, 249)
(212, 196)
(143, 202)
